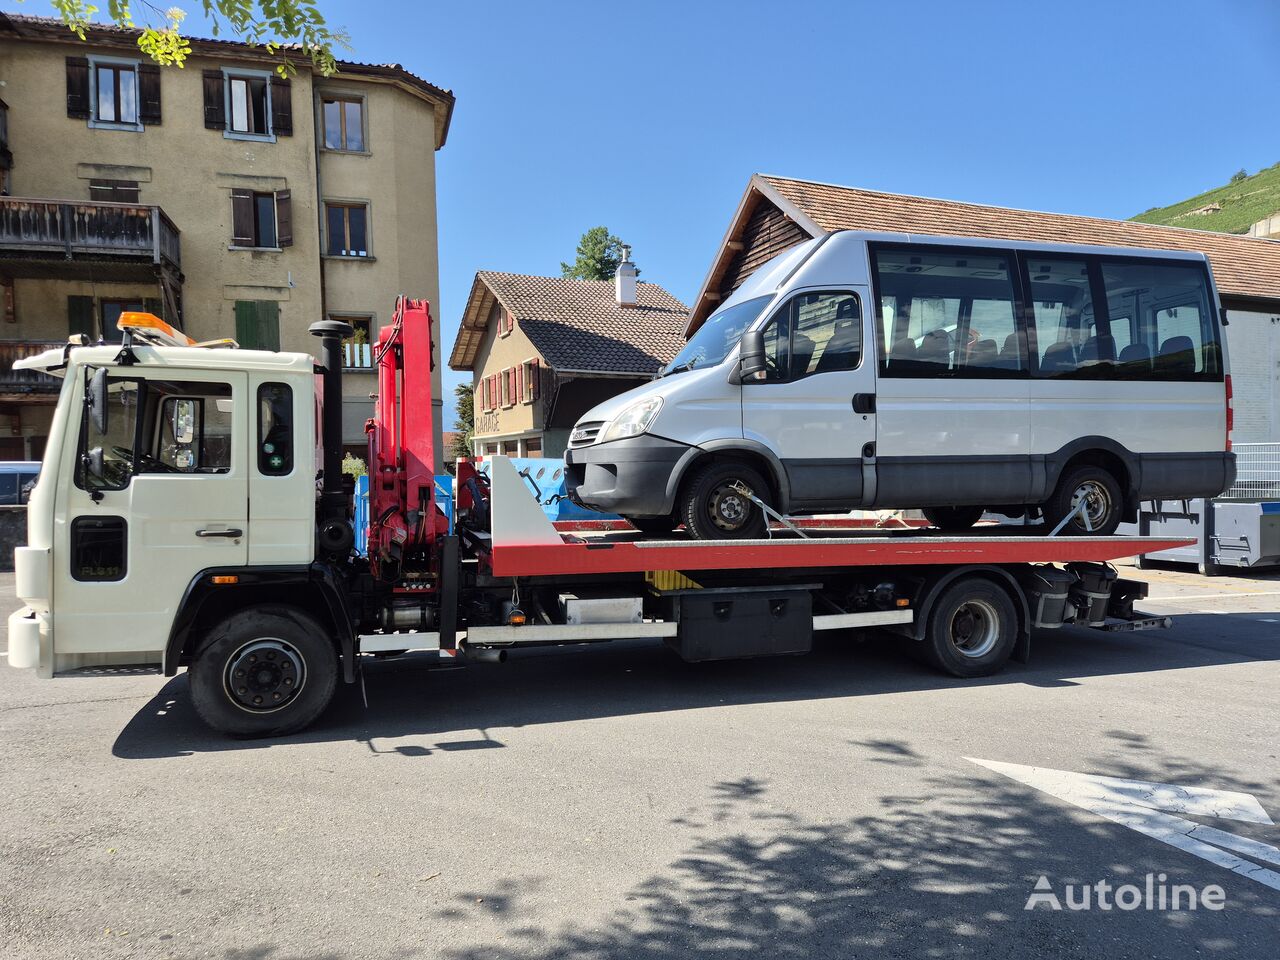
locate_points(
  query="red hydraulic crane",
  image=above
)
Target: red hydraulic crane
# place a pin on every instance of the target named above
(403, 519)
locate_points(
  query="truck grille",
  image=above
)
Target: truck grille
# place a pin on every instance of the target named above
(584, 434)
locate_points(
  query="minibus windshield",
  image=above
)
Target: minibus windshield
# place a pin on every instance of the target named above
(720, 334)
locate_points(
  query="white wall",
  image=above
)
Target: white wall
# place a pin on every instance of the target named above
(1253, 352)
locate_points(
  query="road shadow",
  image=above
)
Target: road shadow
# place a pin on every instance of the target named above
(458, 707)
(944, 869)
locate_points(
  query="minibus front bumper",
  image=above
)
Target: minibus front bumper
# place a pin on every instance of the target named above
(631, 477)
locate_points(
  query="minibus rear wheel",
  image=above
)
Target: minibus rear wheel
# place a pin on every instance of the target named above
(713, 506)
(264, 671)
(1100, 493)
(953, 518)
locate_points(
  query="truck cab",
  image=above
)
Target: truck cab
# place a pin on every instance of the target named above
(165, 460)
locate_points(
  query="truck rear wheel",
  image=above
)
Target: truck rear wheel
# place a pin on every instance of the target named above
(972, 628)
(265, 671)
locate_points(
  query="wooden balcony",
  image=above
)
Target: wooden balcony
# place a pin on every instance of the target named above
(27, 385)
(67, 239)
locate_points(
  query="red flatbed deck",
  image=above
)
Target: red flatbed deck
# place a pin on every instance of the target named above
(526, 544)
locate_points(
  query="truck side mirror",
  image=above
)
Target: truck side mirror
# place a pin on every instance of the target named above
(93, 464)
(751, 355)
(97, 401)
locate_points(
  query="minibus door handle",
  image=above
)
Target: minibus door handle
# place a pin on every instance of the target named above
(864, 403)
(231, 533)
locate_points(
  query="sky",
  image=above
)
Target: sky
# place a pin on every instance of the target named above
(651, 117)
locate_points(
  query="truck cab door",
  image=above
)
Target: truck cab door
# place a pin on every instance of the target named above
(814, 406)
(157, 497)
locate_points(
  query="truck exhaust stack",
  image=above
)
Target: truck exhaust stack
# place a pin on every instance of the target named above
(334, 534)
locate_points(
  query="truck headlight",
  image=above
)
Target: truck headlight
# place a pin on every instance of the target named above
(632, 421)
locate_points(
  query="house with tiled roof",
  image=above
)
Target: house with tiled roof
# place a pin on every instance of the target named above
(544, 350)
(776, 213)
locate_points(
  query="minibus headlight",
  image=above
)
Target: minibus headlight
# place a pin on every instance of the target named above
(632, 421)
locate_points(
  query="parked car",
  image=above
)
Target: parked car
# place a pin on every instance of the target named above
(17, 479)
(953, 375)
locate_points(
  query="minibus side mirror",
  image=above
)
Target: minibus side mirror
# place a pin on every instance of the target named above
(751, 355)
(97, 401)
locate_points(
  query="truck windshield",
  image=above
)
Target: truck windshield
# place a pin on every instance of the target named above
(719, 335)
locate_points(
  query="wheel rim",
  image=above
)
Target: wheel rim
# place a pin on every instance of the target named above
(729, 509)
(975, 628)
(264, 675)
(1097, 503)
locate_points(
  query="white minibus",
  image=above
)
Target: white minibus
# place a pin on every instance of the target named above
(958, 376)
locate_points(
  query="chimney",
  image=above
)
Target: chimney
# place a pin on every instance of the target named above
(624, 281)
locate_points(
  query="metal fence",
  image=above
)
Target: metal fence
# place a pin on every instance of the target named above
(1257, 473)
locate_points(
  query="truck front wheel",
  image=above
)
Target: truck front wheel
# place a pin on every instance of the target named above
(265, 671)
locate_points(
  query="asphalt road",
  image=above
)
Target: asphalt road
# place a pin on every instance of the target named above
(615, 802)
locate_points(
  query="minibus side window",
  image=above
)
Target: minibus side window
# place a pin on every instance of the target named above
(947, 312)
(814, 333)
(1068, 341)
(1173, 334)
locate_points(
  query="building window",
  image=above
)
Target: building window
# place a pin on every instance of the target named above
(347, 225)
(113, 191)
(343, 123)
(113, 93)
(529, 381)
(110, 311)
(261, 219)
(357, 350)
(247, 104)
(258, 324)
(116, 86)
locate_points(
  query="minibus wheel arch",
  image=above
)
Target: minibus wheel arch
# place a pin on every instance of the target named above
(759, 460)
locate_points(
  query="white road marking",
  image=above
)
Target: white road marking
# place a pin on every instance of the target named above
(1268, 620)
(1141, 805)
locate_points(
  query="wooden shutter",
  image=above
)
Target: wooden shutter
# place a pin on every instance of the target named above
(80, 315)
(535, 377)
(269, 324)
(149, 92)
(520, 382)
(242, 218)
(281, 108)
(78, 88)
(258, 324)
(284, 218)
(215, 104)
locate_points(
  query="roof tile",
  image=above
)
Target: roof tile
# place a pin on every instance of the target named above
(579, 325)
(1242, 266)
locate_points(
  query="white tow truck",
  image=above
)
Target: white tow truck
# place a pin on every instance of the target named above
(179, 521)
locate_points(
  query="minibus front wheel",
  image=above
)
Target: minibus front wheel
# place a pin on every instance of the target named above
(714, 504)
